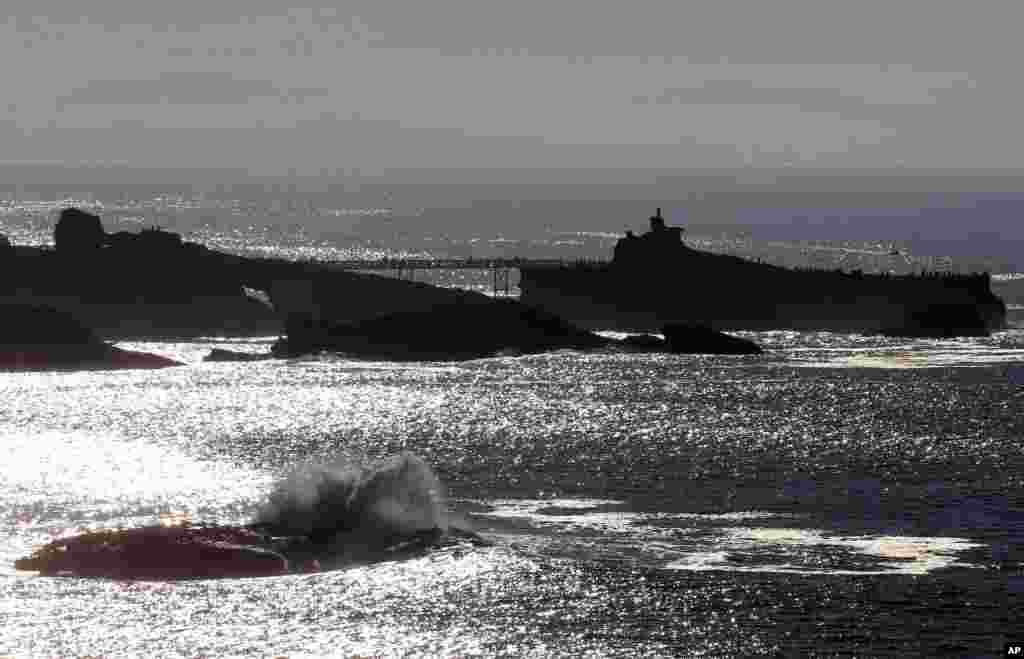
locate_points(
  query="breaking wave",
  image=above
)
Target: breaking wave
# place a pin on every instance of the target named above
(394, 497)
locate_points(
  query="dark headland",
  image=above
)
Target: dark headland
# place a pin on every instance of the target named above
(655, 279)
(153, 284)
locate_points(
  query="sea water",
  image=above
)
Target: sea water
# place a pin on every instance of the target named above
(839, 495)
(836, 495)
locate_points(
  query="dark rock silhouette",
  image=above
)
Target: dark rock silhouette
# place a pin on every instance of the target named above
(656, 279)
(689, 339)
(149, 284)
(78, 232)
(153, 284)
(34, 337)
(222, 355)
(453, 331)
(697, 339)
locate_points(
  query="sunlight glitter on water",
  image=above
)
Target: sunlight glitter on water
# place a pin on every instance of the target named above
(879, 352)
(589, 472)
(54, 483)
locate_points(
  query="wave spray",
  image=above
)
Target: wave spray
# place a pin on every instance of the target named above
(369, 504)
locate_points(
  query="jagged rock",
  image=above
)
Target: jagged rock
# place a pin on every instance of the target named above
(698, 339)
(78, 232)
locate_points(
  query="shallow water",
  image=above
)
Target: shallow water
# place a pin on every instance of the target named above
(837, 496)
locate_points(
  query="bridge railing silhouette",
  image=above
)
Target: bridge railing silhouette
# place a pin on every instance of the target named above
(459, 263)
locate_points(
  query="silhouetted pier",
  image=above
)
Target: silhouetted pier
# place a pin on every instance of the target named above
(457, 264)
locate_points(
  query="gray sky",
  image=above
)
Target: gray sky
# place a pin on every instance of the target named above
(452, 83)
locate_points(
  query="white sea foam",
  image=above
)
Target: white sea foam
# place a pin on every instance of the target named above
(743, 550)
(713, 541)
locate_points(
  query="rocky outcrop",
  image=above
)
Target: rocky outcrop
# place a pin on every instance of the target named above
(171, 553)
(697, 339)
(454, 331)
(689, 340)
(35, 337)
(159, 553)
(460, 331)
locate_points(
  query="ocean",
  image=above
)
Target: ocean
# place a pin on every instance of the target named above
(838, 495)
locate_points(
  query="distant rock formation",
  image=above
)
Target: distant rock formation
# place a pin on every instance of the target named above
(35, 337)
(655, 279)
(696, 339)
(468, 330)
(454, 331)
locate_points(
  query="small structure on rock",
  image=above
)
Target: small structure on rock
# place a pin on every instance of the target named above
(658, 243)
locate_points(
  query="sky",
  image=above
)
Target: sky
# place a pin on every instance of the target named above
(570, 84)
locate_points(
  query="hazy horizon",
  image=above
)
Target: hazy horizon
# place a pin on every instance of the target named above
(276, 89)
(970, 217)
